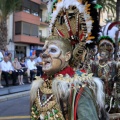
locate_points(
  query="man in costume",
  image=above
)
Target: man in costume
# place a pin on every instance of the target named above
(63, 92)
(108, 71)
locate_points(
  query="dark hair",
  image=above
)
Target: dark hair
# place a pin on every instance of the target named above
(16, 57)
(22, 59)
(9, 54)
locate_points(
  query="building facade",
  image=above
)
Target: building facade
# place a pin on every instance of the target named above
(28, 29)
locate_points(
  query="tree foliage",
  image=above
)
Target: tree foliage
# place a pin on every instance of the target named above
(7, 7)
(108, 5)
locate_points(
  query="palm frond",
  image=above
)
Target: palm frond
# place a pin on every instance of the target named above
(7, 7)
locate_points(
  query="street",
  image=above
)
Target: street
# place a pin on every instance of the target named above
(15, 109)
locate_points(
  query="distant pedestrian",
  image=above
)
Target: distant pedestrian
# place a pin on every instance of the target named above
(39, 65)
(32, 67)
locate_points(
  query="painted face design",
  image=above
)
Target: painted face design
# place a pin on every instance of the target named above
(53, 58)
(104, 55)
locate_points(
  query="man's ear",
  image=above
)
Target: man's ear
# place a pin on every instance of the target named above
(67, 56)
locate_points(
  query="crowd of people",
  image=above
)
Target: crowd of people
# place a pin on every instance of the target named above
(15, 69)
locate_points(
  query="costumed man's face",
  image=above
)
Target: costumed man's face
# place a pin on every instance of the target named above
(104, 55)
(54, 57)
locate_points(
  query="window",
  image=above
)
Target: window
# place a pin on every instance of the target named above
(34, 30)
(30, 7)
(27, 10)
(17, 28)
(26, 28)
(40, 33)
(40, 14)
(34, 9)
(26, 6)
(20, 51)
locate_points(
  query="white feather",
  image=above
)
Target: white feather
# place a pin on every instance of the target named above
(61, 89)
(89, 41)
(35, 85)
(100, 94)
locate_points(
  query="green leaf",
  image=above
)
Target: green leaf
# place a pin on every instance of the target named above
(98, 6)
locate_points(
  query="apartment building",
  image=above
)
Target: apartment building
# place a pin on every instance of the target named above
(30, 28)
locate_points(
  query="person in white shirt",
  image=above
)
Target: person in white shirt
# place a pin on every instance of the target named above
(0, 76)
(1, 56)
(32, 67)
(39, 65)
(7, 69)
(1, 59)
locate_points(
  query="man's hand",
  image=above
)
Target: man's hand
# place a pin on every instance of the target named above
(10, 72)
(35, 71)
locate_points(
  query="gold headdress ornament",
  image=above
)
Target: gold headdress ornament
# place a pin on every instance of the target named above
(75, 20)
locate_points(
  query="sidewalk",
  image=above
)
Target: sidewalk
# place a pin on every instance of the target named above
(14, 96)
(14, 92)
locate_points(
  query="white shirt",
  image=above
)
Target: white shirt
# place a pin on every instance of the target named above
(0, 66)
(31, 65)
(39, 59)
(1, 56)
(6, 66)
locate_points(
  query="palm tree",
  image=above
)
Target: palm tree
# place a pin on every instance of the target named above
(118, 10)
(106, 5)
(6, 8)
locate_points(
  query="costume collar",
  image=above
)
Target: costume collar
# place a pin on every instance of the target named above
(68, 70)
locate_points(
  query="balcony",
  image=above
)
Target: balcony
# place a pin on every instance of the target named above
(36, 1)
(26, 17)
(40, 2)
(27, 39)
(43, 39)
(44, 21)
(43, 2)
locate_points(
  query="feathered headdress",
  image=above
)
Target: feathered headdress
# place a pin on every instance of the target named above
(76, 20)
(105, 43)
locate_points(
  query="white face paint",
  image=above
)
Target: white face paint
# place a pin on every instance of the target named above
(54, 50)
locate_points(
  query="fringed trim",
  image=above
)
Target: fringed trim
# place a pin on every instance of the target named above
(33, 92)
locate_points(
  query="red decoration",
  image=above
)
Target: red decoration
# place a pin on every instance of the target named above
(68, 70)
(76, 102)
(81, 36)
(83, 71)
(59, 32)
